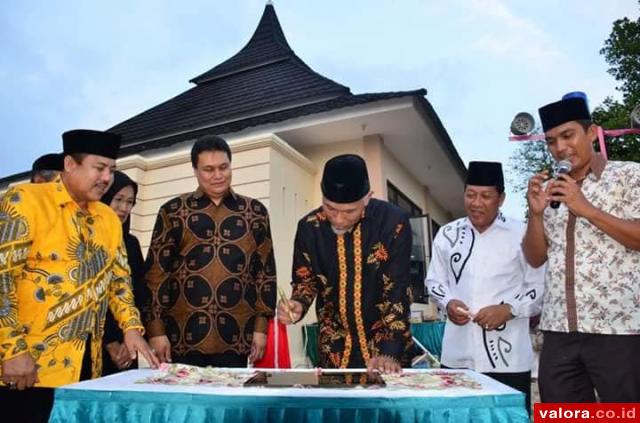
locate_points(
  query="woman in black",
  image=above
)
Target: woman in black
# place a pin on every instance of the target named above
(121, 197)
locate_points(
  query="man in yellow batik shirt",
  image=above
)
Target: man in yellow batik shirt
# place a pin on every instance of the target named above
(62, 263)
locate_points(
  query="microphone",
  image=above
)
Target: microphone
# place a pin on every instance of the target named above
(562, 168)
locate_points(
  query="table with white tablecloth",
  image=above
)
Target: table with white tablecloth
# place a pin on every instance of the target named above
(119, 398)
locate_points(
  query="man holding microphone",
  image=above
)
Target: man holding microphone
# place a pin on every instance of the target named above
(591, 242)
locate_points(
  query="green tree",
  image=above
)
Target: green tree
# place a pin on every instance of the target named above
(530, 157)
(622, 52)
(612, 114)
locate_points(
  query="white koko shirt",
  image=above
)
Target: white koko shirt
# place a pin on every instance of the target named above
(483, 269)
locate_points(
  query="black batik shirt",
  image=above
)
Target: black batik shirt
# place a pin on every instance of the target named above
(361, 282)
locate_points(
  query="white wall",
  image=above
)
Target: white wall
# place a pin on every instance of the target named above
(292, 192)
(320, 154)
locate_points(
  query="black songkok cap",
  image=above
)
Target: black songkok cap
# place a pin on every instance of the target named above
(486, 174)
(87, 141)
(345, 179)
(53, 161)
(563, 111)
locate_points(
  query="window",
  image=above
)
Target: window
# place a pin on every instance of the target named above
(396, 197)
(421, 241)
(435, 227)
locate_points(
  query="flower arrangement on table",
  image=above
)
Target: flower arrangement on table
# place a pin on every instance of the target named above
(433, 380)
(183, 374)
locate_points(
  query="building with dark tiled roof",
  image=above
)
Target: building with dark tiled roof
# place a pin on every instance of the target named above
(283, 121)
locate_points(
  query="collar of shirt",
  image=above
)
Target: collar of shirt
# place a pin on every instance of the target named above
(500, 222)
(597, 165)
(199, 193)
(367, 214)
(62, 198)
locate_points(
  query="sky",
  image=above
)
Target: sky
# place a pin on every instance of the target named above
(92, 64)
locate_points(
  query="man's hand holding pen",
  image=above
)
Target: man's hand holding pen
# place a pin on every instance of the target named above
(289, 311)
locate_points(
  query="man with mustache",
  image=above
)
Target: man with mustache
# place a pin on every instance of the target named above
(62, 264)
(591, 243)
(352, 255)
(479, 275)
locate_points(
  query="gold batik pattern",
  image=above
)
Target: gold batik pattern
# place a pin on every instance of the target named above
(357, 293)
(60, 268)
(342, 299)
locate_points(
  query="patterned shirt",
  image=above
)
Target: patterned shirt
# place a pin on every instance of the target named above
(60, 268)
(361, 281)
(593, 281)
(484, 269)
(211, 274)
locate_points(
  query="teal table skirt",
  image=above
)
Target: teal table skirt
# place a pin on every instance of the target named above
(95, 405)
(428, 334)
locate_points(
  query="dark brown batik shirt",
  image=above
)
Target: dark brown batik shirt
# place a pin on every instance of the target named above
(360, 281)
(211, 272)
